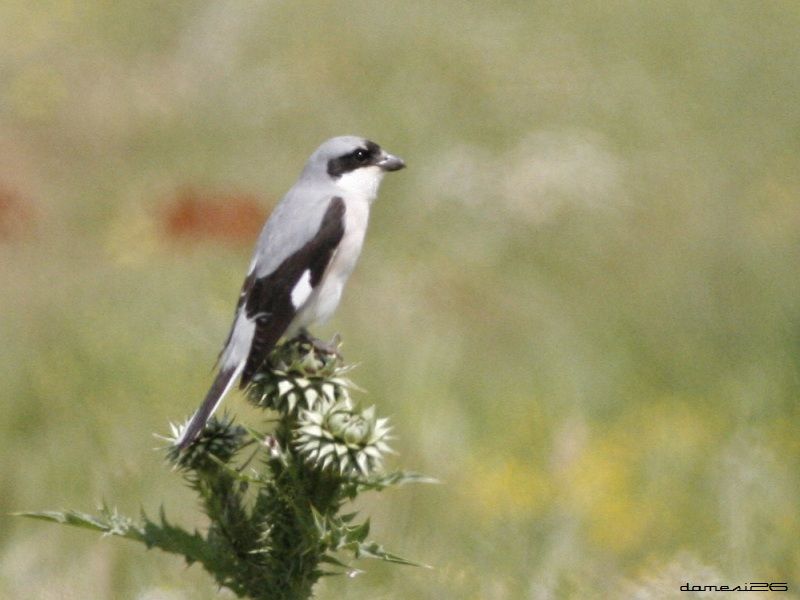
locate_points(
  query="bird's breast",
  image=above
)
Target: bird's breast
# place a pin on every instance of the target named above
(323, 301)
(356, 218)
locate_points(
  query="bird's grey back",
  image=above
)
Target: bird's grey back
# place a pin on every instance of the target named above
(293, 222)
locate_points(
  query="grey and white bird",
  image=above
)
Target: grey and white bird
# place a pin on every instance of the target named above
(302, 260)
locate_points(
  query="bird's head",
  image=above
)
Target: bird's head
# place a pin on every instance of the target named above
(354, 164)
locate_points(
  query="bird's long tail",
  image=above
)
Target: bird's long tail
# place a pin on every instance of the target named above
(222, 383)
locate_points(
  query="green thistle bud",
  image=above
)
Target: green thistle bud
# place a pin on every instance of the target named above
(220, 439)
(353, 429)
(338, 437)
(302, 358)
(299, 376)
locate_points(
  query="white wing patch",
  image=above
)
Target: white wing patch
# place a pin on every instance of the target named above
(302, 289)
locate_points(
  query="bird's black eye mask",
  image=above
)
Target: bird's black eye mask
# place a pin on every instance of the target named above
(363, 156)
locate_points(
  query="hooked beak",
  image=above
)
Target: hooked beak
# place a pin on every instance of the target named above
(388, 162)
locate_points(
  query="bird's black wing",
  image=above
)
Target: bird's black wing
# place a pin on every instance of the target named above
(268, 299)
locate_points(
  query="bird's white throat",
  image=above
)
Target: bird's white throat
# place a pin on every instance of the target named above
(363, 182)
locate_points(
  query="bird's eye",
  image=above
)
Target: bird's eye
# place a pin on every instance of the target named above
(361, 155)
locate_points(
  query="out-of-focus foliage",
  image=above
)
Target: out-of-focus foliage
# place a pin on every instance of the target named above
(579, 303)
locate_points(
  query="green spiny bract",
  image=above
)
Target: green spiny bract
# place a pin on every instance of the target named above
(219, 441)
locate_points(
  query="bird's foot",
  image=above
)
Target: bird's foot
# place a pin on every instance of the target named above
(323, 347)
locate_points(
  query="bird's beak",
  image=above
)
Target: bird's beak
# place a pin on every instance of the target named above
(389, 162)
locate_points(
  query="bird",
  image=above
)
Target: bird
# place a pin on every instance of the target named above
(304, 255)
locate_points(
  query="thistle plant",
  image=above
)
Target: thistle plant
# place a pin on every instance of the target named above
(275, 498)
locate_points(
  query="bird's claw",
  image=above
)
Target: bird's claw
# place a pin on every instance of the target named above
(321, 346)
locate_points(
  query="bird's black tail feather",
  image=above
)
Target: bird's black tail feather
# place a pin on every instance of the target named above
(222, 383)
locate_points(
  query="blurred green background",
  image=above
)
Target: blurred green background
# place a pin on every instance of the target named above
(580, 303)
